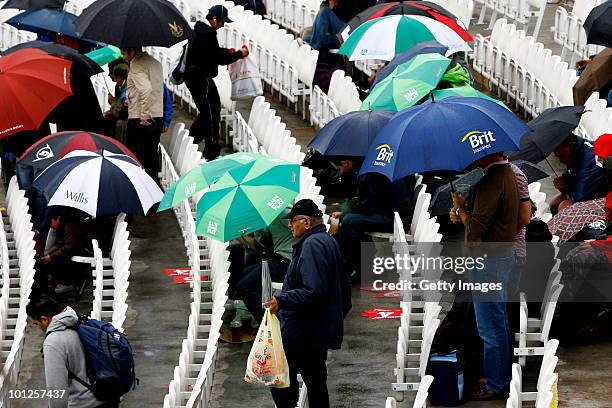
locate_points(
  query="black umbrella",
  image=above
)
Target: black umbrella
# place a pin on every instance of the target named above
(532, 171)
(87, 64)
(549, 130)
(33, 4)
(134, 23)
(442, 201)
(598, 25)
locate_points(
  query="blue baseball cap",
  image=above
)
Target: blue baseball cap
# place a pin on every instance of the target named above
(220, 12)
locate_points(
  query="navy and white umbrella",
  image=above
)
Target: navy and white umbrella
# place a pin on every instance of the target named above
(99, 183)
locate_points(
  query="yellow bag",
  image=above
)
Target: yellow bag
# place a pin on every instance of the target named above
(267, 363)
(555, 400)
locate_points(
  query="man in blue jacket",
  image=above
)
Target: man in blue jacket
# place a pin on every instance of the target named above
(584, 180)
(311, 307)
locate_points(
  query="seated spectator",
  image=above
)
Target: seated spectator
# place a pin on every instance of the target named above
(583, 180)
(64, 240)
(275, 244)
(373, 211)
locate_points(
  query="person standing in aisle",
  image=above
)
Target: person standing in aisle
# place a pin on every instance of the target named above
(203, 59)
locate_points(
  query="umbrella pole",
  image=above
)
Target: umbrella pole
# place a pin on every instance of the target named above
(551, 167)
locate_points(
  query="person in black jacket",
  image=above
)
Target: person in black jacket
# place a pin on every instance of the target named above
(311, 306)
(203, 59)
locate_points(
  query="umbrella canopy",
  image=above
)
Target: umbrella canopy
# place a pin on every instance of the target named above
(104, 55)
(449, 134)
(33, 4)
(54, 147)
(44, 20)
(385, 37)
(465, 91)
(408, 83)
(246, 199)
(85, 63)
(532, 171)
(134, 23)
(596, 76)
(32, 84)
(598, 25)
(99, 184)
(549, 130)
(350, 134)
(420, 8)
(204, 176)
(572, 219)
(428, 47)
(442, 200)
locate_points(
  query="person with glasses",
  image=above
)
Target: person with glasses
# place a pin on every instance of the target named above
(311, 306)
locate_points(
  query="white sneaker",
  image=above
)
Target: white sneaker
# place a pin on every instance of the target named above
(61, 288)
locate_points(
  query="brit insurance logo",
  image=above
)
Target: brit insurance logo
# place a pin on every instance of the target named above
(479, 141)
(384, 156)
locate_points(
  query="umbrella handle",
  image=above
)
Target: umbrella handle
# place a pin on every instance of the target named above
(551, 167)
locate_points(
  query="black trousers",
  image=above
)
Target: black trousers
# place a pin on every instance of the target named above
(310, 363)
(206, 126)
(143, 142)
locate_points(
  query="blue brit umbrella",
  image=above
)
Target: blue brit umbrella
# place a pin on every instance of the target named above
(43, 20)
(449, 134)
(98, 183)
(350, 134)
(427, 47)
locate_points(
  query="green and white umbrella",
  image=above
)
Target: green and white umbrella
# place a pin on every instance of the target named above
(204, 176)
(465, 91)
(247, 198)
(408, 83)
(385, 37)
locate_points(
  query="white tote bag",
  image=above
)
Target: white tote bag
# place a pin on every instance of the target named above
(246, 82)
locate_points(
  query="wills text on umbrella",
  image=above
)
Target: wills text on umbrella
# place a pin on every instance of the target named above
(385, 154)
(76, 197)
(479, 140)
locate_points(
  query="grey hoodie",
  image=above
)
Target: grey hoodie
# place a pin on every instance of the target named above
(63, 351)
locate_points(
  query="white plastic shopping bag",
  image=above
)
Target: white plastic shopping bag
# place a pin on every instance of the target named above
(246, 82)
(267, 363)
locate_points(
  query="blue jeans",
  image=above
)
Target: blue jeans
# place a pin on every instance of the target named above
(492, 322)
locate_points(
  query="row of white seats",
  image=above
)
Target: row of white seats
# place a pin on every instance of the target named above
(287, 66)
(17, 241)
(295, 15)
(596, 119)
(111, 277)
(420, 400)
(265, 133)
(521, 11)
(523, 69)
(534, 331)
(192, 380)
(9, 35)
(462, 9)
(569, 32)
(341, 98)
(543, 396)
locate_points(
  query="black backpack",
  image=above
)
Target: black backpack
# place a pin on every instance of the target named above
(448, 386)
